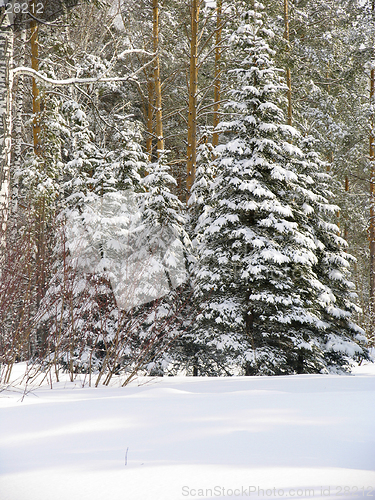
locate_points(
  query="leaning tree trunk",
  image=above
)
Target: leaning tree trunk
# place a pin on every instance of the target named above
(6, 87)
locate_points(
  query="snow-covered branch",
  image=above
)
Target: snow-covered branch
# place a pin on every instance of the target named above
(73, 81)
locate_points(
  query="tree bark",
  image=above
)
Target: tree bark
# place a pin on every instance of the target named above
(18, 108)
(217, 82)
(40, 222)
(6, 88)
(346, 233)
(150, 109)
(193, 88)
(35, 90)
(288, 72)
(157, 84)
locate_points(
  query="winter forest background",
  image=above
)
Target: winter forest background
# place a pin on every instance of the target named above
(187, 187)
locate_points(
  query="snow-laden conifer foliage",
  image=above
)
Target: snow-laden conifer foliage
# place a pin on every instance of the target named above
(162, 242)
(343, 339)
(199, 194)
(163, 247)
(78, 312)
(268, 255)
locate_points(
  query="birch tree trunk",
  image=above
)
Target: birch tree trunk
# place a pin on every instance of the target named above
(193, 88)
(6, 87)
(19, 88)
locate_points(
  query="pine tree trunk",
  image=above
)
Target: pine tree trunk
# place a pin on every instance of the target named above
(288, 72)
(217, 82)
(346, 233)
(40, 223)
(150, 128)
(6, 88)
(158, 104)
(193, 88)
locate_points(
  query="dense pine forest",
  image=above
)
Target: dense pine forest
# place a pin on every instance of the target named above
(187, 187)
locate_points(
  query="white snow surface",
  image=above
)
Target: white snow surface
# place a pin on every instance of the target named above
(305, 436)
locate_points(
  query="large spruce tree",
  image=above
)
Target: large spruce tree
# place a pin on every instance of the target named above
(269, 263)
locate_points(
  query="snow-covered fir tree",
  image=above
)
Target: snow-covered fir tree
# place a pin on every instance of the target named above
(260, 276)
(343, 340)
(199, 194)
(190, 346)
(79, 308)
(164, 249)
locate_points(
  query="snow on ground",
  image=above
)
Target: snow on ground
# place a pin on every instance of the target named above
(306, 436)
